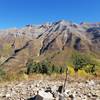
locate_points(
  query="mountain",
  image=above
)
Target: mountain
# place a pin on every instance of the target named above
(55, 41)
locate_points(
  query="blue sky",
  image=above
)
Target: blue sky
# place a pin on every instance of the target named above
(17, 13)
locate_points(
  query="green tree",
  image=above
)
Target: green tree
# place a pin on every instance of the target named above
(44, 67)
(79, 61)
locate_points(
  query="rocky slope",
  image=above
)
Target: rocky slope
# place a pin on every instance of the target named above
(17, 45)
(67, 34)
(50, 90)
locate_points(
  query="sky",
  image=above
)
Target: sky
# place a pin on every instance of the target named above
(18, 13)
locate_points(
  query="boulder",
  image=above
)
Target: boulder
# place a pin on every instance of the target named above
(42, 95)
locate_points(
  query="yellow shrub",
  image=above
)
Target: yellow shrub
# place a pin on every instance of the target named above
(82, 73)
(71, 71)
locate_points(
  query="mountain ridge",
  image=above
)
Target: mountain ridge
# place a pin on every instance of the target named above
(50, 37)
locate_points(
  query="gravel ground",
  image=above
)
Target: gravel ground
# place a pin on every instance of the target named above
(50, 90)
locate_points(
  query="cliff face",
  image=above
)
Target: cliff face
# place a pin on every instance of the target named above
(17, 45)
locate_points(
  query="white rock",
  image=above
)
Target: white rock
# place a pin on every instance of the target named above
(91, 83)
(44, 96)
(66, 93)
(8, 95)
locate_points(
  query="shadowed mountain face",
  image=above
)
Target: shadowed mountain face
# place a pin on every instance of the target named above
(18, 45)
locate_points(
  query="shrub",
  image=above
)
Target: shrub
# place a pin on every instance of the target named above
(2, 73)
(62, 69)
(82, 61)
(79, 61)
(90, 69)
(44, 67)
(29, 66)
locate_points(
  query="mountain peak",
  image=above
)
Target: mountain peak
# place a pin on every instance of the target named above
(62, 22)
